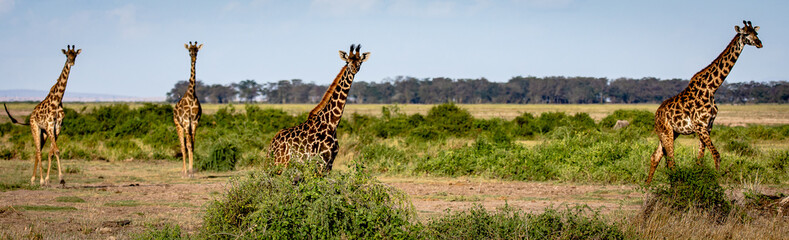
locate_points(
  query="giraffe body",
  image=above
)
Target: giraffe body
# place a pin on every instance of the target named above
(46, 120)
(186, 115)
(316, 138)
(693, 110)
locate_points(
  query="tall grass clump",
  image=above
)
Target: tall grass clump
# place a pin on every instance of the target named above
(299, 204)
(164, 232)
(223, 156)
(508, 223)
(695, 187)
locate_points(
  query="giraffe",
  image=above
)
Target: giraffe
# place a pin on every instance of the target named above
(46, 119)
(317, 137)
(186, 114)
(693, 110)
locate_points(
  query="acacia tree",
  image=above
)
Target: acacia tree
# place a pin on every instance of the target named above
(174, 95)
(248, 90)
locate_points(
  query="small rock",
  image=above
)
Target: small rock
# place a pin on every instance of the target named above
(105, 230)
(621, 124)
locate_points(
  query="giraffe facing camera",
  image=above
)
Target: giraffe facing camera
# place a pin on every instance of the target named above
(186, 114)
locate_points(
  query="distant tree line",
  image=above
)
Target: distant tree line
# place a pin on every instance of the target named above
(556, 89)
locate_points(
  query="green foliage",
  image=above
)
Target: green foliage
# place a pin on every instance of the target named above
(639, 119)
(46, 208)
(224, 154)
(508, 223)
(450, 118)
(527, 125)
(164, 232)
(740, 147)
(71, 199)
(302, 205)
(693, 187)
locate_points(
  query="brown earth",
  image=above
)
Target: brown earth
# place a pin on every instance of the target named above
(121, 199)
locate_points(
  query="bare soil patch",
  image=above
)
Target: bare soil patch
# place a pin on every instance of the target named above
(123, 198)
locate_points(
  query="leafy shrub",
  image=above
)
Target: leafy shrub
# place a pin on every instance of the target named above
(694, 187)
(551, 120)
(508, 223)
(298, 204)
(740, 147)
(450, 118)
(641, 119)
(224, 155)
(582, 121)
(6, 154)
(779, 160)
(167, 231)
(527, 125)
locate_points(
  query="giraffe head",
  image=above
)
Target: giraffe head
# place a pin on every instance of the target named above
(193, 49)
(71, 54)
(748, 34)
(354, 60)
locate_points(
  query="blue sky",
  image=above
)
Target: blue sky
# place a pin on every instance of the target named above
(135, 48)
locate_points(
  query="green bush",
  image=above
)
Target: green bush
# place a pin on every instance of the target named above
(527, 125)
(548, 121)
(299, 204)
(740, 147)
(695, 187)
(224, 154)
(450, 118)
(508, 223)
(165, 232)
(641, 119)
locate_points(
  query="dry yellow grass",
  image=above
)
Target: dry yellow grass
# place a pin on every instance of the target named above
(665, 223)
(730, 115)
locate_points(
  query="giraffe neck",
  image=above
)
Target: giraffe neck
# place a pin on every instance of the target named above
(191, 91)
(332, 104)
(57, 90)
(711, 77)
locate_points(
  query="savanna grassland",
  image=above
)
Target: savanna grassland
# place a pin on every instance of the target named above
(404, 171)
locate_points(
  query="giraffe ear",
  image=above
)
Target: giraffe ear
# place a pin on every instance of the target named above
(756, 28)
(737, 28)
(365, 56)
(79, 51)
(186, 46)
(199, 47)
(64, 51)
(343, 56)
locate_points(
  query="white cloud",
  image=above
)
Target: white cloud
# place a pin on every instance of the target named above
(6, 5)
(343, 7)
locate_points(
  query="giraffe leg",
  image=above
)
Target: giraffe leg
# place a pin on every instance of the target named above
(669, 147)
(665, 149)
(702, 147)
(191, 142)
(38, 142)
(182, 142)
(55, 134)
(705, 138)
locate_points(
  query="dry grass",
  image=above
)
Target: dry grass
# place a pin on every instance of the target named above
(665, 223)
(733, 115)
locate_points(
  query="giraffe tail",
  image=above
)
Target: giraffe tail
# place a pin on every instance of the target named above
(12, 118)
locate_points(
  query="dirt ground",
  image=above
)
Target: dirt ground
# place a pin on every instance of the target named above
(121, 199)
